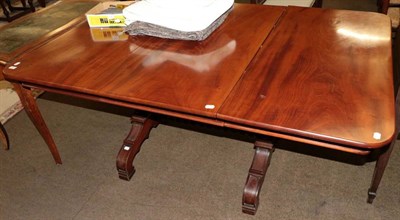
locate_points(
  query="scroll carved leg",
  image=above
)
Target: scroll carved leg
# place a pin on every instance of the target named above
(141, 127)
(378, 172)
(31, 108)
(255, 179)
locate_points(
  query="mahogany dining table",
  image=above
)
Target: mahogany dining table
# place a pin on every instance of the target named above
(320, 77)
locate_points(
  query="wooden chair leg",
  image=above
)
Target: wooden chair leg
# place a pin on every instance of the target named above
(4, 137)
(13, 12)
(23, 2)
(8, 4)
(30, 3)
(5, 11)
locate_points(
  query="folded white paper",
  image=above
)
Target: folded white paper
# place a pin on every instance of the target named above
(182, 15)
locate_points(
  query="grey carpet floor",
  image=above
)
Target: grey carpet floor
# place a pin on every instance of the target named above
(181, 174)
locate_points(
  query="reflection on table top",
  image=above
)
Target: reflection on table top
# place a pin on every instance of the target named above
(312, 73)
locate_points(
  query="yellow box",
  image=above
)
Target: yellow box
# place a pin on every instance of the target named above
(107, 14)
(108, 34)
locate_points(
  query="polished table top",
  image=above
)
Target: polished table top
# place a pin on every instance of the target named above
(176, 75)
(321, 75)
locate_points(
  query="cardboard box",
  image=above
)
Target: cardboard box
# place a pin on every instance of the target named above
(109, 34)
(107, 14)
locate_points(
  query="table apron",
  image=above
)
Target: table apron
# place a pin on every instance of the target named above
(205, 120)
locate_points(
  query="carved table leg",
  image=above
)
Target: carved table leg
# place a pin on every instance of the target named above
(141, 127)
(255, 179)
(383, 159)
(31, 108)
(4, 137)
(380, 166)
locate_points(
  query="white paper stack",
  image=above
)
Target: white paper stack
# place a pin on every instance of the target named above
(177, 15)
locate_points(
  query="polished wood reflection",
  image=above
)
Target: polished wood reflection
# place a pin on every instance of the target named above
(317, 76)
(176, 75)
(321, 74)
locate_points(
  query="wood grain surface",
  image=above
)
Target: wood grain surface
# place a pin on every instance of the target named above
(322, 74)
(182, 76)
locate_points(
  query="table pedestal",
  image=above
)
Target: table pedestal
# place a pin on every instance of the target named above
(256, 176)
(141, 127)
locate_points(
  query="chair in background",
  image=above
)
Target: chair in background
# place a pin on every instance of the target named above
(4, 137)
(302, 3)
(392, 9)
(9, 10)
(3, 133)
